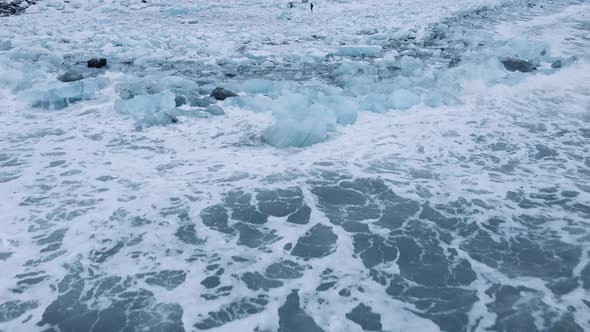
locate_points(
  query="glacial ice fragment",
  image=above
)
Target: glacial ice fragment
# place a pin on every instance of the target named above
(257, 85)
(71, 75)
(222, 94)
(292, 133)
(520, 65)
(149, 110)
(215, 110)
(372, 51)
(404, 99)
(57, 96)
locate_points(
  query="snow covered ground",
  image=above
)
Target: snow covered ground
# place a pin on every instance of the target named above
(386, 166)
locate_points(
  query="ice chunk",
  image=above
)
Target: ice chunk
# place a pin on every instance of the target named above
(256, 103)
(149, 110)
(200, 102)
(349, 68)
(410, 65)
(257, 85)
(174, 83)
(57, 96)
(345, 108)
(5, 44)
(177, 11)
(16, 75)
(377, 103)
(437, 98)
(488, 71)
(131, 86)
(291, 133)
(283, 15)
(50, 60)
(306, 117)
(404, 99)
(15, 79)
(523, 49)
(559, 63)
(372, 51)
(215, 110)
(293, 105)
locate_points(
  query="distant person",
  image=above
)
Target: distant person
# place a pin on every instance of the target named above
(311, 6)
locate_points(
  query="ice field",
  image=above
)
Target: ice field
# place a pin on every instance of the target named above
(376, 165)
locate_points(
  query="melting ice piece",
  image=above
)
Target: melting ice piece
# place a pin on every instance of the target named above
(215, 110)
(14, 79)
(177, 11)
(149, 110)
(559, 63)
(174, 83)
(523, 49)
(410, 66)
(372, 51)
(345, 108)
(132, 86)
(258, 85)
(404, 99)
(57, 96)
(299, 122)
(291, 133)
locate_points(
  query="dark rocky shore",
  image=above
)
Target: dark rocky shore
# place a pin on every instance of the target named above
(13, 7)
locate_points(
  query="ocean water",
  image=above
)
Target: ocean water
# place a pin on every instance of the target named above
(384, 167)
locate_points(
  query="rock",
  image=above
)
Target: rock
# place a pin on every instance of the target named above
(520, 65)
(215, 110)
(368, 32)
(180, 100)
(97, 63)
(9, 8)
(5, 45)
(71, 75)
(222, 94)
(454, 62)
(556, 64)
(200, 102)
